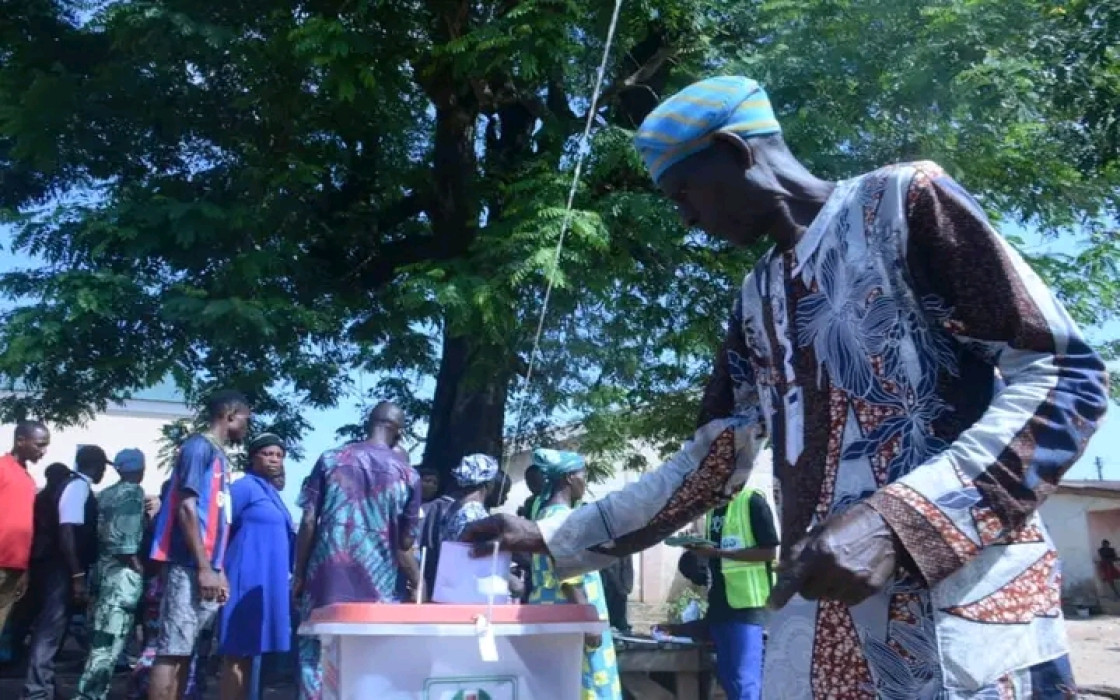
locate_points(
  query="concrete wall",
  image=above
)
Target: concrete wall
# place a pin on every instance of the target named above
(1077, 525)
(135, 423)
(655, 570)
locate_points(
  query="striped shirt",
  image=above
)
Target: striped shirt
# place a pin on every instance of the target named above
(201, 470)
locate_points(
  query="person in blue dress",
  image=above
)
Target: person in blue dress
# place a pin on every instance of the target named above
(257, 618)
(565, 484)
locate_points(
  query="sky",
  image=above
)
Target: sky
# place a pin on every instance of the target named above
(1104, 445)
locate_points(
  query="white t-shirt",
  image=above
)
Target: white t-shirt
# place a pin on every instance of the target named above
(72, 503)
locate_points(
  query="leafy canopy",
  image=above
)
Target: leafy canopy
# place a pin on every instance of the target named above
(274, 195)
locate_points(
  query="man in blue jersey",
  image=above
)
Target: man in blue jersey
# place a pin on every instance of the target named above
(190, 537)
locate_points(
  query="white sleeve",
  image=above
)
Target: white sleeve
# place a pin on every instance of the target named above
(72, 504)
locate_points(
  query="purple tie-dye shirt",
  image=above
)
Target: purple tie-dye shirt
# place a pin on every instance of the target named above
(366, 497)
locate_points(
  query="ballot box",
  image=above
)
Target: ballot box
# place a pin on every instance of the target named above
(452, 652)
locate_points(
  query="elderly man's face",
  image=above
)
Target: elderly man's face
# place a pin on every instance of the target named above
(712, 192)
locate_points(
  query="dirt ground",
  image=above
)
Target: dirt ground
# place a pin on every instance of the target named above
(1095, 642)
(1096, 651)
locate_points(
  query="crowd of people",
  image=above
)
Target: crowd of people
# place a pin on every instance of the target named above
(217, 564)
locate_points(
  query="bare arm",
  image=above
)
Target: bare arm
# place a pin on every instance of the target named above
(71, 516)
(409, 565)
(187, 519)
(306, 537)
(751, 554)
(68, 543)
(408, 525)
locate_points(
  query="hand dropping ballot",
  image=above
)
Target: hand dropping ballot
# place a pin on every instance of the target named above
(461, 578)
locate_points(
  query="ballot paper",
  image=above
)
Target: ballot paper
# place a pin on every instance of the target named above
(460, 578)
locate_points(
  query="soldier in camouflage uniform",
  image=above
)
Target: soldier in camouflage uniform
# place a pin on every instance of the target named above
(119, 574)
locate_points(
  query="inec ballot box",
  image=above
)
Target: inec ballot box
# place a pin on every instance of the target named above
(452, 652)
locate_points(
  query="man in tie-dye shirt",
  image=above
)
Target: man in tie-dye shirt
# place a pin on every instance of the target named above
(361, 517)
(922, 390)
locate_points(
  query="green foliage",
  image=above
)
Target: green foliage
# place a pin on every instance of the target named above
(275, 196)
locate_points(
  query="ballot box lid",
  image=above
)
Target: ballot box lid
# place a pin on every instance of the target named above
(439, 619)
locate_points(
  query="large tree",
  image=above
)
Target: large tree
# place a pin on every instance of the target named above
(275, 195)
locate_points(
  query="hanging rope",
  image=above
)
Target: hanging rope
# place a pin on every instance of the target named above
(581, 156)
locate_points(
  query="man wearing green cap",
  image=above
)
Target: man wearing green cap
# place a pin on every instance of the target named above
(119, 573)
(922, 390)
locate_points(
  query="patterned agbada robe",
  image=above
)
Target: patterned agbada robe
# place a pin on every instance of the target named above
(903, 355)
(367, 501)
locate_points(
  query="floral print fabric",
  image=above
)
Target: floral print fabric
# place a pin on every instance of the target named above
(903, 354)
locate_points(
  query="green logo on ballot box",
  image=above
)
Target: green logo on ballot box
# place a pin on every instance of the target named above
(471, 688)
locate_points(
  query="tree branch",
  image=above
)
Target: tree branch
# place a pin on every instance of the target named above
(642, 75)
(639, 78)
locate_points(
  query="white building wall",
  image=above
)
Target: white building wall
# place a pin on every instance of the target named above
(1066, 517)
(135, 423)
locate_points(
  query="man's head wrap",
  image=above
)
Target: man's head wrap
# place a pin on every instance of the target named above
(684, 123)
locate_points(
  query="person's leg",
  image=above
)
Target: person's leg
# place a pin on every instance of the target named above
(9, 585)
(310, 669)
(750, 663)
(177, 639)
(111, 618)
(721, 638)
(235, 676)
(47, 632)
(738, 659)
(616, 608)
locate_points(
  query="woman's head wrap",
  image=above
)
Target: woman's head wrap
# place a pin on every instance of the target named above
(475, 470)
(553, 464)
(265, 440)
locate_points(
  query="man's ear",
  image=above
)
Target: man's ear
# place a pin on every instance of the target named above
(734, 145)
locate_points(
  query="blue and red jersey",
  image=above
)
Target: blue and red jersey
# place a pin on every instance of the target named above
(201, 470)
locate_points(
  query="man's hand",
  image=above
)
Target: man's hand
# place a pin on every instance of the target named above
(78, 593)
(151, 506)
(512, 534)
(703, 551)
(848, 558)
(592, 641)
(212, 585)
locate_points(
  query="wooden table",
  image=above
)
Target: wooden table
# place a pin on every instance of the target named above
(664, 671)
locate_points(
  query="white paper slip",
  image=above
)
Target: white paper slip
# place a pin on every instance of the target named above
(461, 578)
(487, 645)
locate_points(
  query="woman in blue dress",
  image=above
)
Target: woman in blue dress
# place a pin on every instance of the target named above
(257, 617)
(565, 484)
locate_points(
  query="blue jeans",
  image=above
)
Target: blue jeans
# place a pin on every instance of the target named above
(738, 659)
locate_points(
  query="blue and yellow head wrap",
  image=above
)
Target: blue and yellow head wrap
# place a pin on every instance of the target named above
(684, 123)
(553, 464)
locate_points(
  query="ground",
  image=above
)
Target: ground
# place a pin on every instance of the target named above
(1095, 641)
(1096, 652)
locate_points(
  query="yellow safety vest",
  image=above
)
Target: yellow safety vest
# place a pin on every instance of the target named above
(747, 583)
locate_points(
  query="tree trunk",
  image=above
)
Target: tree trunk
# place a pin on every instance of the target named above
(468, 410)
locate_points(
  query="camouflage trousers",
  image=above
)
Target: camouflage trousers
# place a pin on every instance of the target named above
(111, 615)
